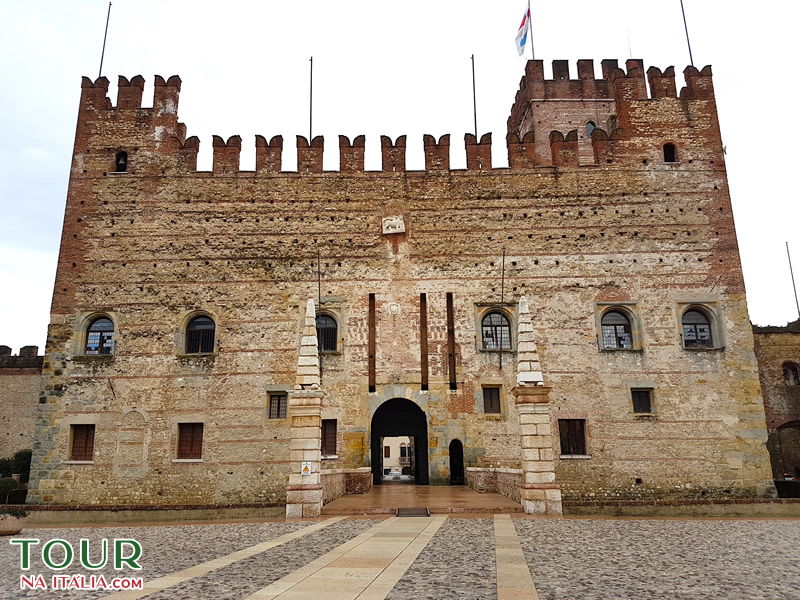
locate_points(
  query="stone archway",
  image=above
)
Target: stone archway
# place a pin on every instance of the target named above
(399, 417)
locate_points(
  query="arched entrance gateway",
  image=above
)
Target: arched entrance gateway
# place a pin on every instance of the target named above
(399, 417)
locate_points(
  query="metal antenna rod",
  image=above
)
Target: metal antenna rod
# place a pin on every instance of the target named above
(502, 301)
(474, 101)
(310, 97)
(686, 29)
(794, 287)
(105, 35)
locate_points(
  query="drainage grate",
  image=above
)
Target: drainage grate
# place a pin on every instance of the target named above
(413, 512)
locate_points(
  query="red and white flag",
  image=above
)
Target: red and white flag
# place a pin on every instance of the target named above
(522, 34)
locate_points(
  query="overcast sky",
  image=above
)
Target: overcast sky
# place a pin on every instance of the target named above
(380, 67)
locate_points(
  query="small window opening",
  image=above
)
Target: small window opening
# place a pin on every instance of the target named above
(791, 374)
(82, 442)
(277, 406)
(190, 440)
(100, 337)
(491, 400)
(670, 153)
(326, 333)
(328, 437)
(200, 335)
(572, 434)
(616, 331)
(121, 162)
(642, 401)
(496, 332)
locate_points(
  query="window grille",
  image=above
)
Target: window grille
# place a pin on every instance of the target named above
(642, 401)
(82, 442)
(190, 440)
(616, 331)
(696, 330)
(277, 406)
(491, 400)
(572, 433)
(200, 336)
(496, 332)
(328, 437)
(326, 333)
(100, 337)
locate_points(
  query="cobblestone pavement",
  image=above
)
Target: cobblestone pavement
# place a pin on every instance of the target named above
(581, 559)
(569, 559)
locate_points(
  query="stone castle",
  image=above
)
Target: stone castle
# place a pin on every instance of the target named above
(573, 326)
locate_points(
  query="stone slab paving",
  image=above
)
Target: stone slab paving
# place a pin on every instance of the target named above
(602, 559)
(165, 549)
(457, 564)
(244, 577)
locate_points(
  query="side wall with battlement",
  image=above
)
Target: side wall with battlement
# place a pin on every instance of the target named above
(584, 228)
(20, 385)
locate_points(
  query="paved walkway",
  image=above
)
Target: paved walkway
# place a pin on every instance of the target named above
(444, 557)
(387, 498)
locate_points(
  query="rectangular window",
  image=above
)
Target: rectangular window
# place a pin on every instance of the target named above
(82, 442)
(491, 400)
(328, 437)
(190, 440)
(573, 436)
(642, 401)
(403, 451)
(277, 406)
(387, 452)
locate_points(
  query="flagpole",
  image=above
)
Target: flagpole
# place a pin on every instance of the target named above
(686, 29)
(530, 30)
(474, 101)
(310, 97)
(794, 287)
(105, 35)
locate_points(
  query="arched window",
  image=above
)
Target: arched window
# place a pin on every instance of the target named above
(616, 331)
(590, 127)
(121, 162)
(326, 333)
(791, 374)
(200, 335)
(670, 153)
(696, 330)
(496, 332)
(100, 337)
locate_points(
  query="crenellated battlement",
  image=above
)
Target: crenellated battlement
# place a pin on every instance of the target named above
(558, 122)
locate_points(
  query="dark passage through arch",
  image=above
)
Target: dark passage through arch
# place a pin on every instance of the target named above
(399, 417)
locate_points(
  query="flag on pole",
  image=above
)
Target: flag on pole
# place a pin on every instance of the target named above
(522, 34)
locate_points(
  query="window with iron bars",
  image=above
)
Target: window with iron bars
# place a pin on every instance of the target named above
(200, 335)
(277, 406)
(326, 333)
(572, 434)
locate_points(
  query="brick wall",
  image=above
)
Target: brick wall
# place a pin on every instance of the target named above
(20, 384)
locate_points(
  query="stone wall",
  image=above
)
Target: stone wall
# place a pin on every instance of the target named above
(585, 223)
(338, 482)
(505, 482)
(20, 385)
(777, 348)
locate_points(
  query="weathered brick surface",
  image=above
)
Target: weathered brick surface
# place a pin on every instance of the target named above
(151, 246)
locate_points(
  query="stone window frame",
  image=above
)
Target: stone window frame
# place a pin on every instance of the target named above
(180, 339)
(712, 311)
(509, 310)
(328, 312)
(335, 309)
(790, 363)
(643, 386)
(479, 405)
(322, 447)
(631, 311)
(68, 422)
(274, 390)
(555, 416)
(175, 423)
(80, 340)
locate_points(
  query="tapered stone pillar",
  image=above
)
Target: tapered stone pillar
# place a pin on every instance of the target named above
(304, 491)
(539, 493)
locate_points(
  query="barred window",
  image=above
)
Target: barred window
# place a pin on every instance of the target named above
(277, 406)
(121, 162)
(200, 335)
(328, 437)
(642, 401)
(616, 331)
(491, 400)
(572, 433)
(696, 330)
(82, 442)
(326, 333)
(100, 337)
(496, 332)
(190, 440)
